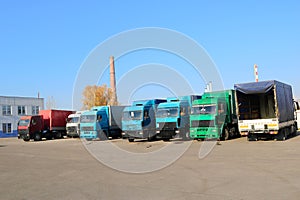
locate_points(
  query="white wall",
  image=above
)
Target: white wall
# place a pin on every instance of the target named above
(14, 102)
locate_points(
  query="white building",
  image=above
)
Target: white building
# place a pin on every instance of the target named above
(12, 108)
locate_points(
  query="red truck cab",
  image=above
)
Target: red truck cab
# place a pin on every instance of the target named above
(30, 127)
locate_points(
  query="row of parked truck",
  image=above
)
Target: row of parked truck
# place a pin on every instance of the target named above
(257, 110)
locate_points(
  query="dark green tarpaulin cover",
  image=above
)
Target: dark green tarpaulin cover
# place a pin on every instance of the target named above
(283, 96)
(255, 87)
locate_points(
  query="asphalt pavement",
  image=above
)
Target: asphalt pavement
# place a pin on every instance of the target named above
(66, 169)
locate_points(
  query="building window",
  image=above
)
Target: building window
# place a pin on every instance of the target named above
(6, 110)
(35, 110)
(21, 110)
(6, 127)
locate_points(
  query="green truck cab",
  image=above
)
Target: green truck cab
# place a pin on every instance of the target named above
(214, 116)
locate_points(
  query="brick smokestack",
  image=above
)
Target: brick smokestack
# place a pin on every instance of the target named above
(113, 81)
(256, 73)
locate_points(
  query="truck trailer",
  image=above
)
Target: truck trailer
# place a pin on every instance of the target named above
(265, 110)
(173, 117)
(214, 116)
(139, 121)
(101, 122)
(48, 124)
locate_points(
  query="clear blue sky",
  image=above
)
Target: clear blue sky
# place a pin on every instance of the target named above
(44, 43)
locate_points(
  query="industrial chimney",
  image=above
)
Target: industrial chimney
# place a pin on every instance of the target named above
(113, 81)
(256, 73)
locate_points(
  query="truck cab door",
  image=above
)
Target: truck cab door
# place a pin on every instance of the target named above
(147, 117)
(35, 124)
(102, 120)
(221, 113)
(184, 116)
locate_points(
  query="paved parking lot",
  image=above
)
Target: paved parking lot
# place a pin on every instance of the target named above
(236, 169)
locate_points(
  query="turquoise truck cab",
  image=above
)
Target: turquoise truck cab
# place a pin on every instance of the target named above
(94, 122)
(101, 122)
(138, 121)
(214, 116)
(173, 117)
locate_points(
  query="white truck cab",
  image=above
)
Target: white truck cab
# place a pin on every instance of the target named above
(73, 124)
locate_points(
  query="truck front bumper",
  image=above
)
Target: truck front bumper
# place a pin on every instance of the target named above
(136, 134)
(89, 134)
(166, 134)
(73, 131)
(259, 132)
(204, 133)
(24, 136)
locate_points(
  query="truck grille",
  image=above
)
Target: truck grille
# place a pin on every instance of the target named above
(167, 126)
(23, 132)
(71, 129)
(132, 127)
(203, 123)
(87, 128)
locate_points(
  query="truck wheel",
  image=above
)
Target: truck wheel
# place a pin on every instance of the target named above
(225, 134)
(49, 137)
(281, 135)
(186, 135)
(26, 139)
(252, 137)
(130, 139)
(232, 133)
(151, 138)
(37, 137)
(294, 130)
(58, 135)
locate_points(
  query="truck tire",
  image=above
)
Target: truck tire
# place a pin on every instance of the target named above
(225, 134)
(186, 135)
(58, 135)
(151, 138)
(252, 137)
(26, 139)
(281, 136)
(130, 139)
(49, 137)
(294, 130)
(233, 132)
(37, 137)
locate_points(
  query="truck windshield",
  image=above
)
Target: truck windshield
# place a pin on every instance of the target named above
(87, 118)
(24, 122)
(172, 112)
(73, 120)
(204, 109)
(132, 115)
